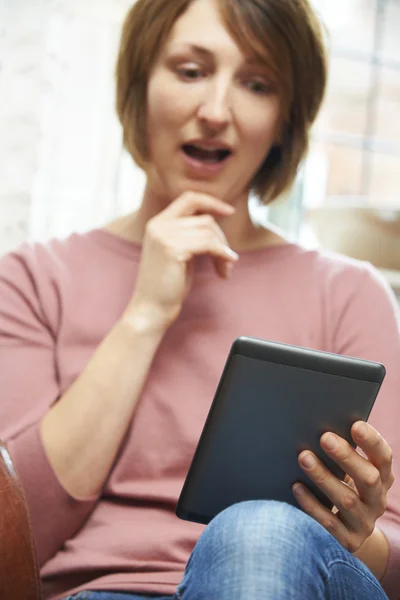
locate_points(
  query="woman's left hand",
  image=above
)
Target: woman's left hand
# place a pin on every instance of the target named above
(361, 498)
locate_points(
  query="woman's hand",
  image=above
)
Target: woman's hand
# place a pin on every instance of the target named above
(361, 499)
(186, 228)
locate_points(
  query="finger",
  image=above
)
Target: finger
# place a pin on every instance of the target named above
(198, 224)
(376, 449)
(353, 512)
(187, 241)
(365, 475)
(311, 506)
(189, 245)
(224, 268)
(191, 203)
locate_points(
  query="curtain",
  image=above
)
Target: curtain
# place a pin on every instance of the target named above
(62, 166)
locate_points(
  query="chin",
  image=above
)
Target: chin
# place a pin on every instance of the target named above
(173, 187)
(213, 188)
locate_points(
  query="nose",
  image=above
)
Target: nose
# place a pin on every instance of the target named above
(215, 110)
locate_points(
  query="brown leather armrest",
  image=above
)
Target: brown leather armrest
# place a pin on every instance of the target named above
(19, 573)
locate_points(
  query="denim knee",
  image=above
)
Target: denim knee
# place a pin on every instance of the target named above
(271, 550)
(252, 547)
(263, 527)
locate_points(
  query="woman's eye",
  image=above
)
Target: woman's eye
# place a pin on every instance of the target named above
(194, 73)
(259, 87)
(190, 73)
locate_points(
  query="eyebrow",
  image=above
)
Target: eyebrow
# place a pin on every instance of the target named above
(207, 53)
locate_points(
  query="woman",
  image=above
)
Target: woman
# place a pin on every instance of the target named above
(112, 342)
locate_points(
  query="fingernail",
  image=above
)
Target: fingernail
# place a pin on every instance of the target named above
(299, 490)
(330, 441)
(232, 254)
(362, 430)
(308, 461)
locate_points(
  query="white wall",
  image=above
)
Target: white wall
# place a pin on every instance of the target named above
(62, 167)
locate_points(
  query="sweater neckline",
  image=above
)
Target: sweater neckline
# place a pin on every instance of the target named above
(133, 250)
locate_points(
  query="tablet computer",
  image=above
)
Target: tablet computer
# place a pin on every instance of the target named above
(273, 401)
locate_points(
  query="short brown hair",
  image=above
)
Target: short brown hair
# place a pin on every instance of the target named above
(286, 34)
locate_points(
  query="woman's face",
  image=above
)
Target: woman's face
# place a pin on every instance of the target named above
(204, 97)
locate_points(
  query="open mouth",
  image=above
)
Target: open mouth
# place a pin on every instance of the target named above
(206, 156)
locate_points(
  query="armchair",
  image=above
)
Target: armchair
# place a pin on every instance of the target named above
(19, 572)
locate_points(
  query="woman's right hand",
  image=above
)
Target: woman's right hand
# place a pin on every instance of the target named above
(185, 229)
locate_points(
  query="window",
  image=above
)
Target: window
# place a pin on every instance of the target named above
(357, 134)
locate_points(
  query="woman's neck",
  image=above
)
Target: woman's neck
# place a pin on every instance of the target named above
(242, 234)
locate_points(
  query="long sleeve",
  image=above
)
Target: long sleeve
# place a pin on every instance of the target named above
(368, 328)
(29, 386)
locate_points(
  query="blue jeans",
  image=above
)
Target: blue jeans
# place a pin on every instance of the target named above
(266, 550)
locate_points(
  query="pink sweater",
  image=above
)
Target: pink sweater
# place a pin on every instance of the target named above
(57, 302)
